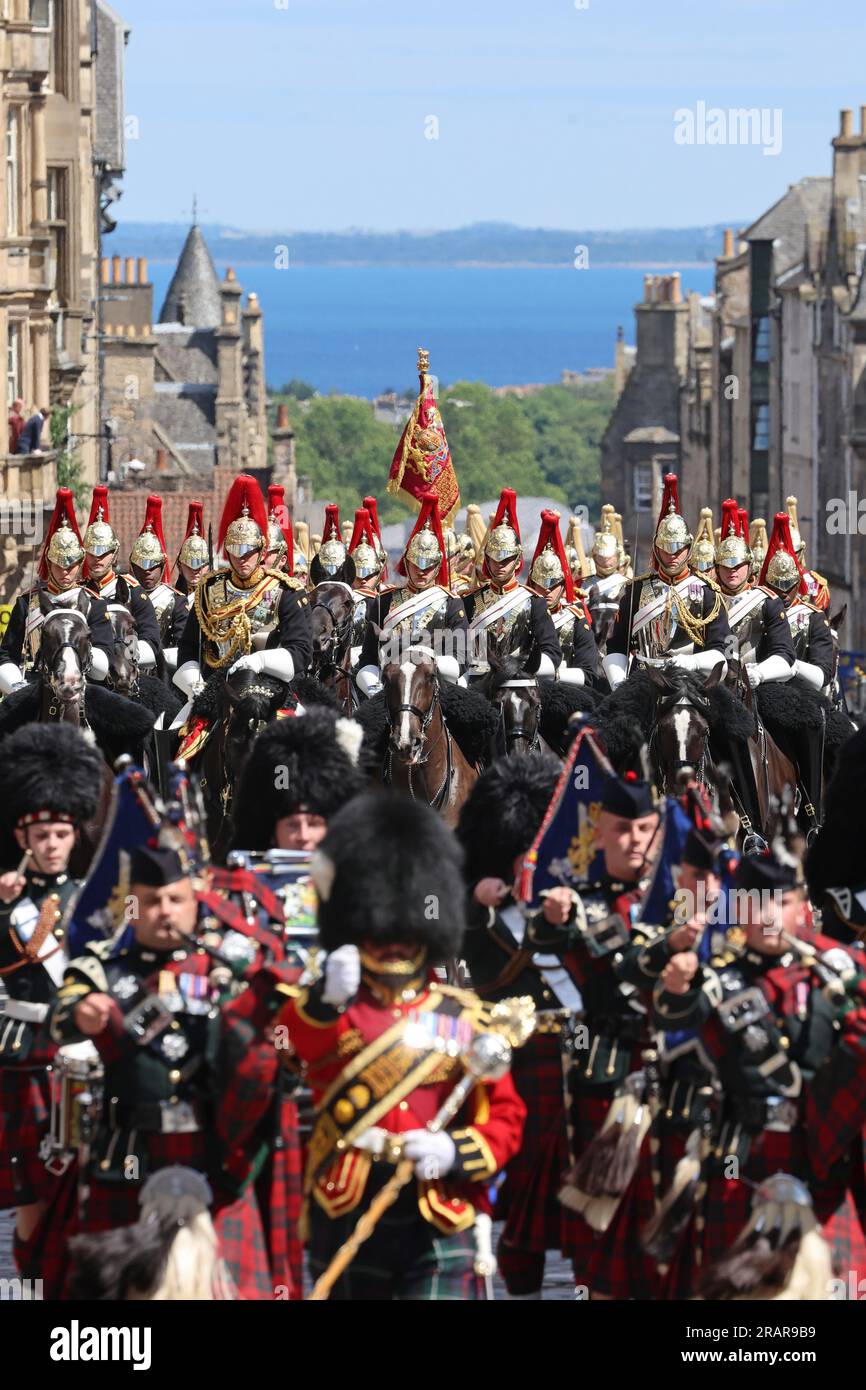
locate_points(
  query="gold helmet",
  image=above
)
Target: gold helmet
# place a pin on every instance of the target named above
(733, 548)
(244, 522)
(99, 539)
(332, 552)
(194, 552)
(703, 556)
(503, 540)
(423, 549)
(65, 548)
(149, 549)
(362, 546)
(605, 547)
(547, 570)
(426, 548)
(276, 539)
(243, 536)
(672, 533)
(780, 569)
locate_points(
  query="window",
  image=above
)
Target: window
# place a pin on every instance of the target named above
(13, 172)
(41, 13)
(643, 487)
(761, 349)
(13, 363)
(59, 253)
(761, 428)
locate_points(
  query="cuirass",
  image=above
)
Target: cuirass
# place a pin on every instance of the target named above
(162, 599)
(505, 626)
(660, 633)
(359, 621)
(749, 631)
(423, 619)
(799, 619)
(563, 621)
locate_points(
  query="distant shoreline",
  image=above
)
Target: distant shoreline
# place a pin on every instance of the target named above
(447, 265)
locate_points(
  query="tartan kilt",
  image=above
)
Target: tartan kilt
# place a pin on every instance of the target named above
(618, 1267)
(579, 1240)
(25, 1110)
(404, 1259)
(727, 1207)
(236, 1221)
(280, 1199)
(527, 1199)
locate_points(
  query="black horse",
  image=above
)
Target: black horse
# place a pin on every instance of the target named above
(534, 713)
(332, 606)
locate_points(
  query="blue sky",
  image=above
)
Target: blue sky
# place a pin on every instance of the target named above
(311, 114)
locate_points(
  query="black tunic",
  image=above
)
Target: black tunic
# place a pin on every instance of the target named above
(101, 635)
(540, 638)
(292, 631)
(454, 620)
(716, 634)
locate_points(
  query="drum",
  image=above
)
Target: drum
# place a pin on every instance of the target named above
(76, 1099)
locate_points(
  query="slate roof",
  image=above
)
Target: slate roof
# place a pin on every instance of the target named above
(193, 296)
(804, 208)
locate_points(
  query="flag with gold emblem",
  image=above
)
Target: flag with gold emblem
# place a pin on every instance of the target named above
(422, 462)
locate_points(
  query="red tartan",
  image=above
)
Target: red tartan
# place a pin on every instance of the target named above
(580, 1241)
(618, 1268)
(728, 1204)
(236, 1220)
(25, 1108)
(280, 1198)
(528, 1198)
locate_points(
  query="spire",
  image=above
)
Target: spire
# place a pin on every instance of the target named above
(193, 297)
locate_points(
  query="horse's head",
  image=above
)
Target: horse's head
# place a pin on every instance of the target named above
(515, 693)
(682, 724)
(332, 606)
(411, 699)
(603, 613)
(123, 663)
(64, 653)
(249, 702)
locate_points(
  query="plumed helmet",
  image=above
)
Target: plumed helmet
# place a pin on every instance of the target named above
(703, 556)
(150, 548)
(503, 540)
(62, 545)
(605, 547)
(390, 870)
(502, 815)
(99, 538)
(672, 533)
(733, 548)
(301, 763)
(194, 550)
(244, 521)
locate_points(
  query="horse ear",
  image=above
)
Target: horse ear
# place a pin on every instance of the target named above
(44, 603)
(82, 603)
(712, 680)
(838, 619)
(659, 678)
(121, 593)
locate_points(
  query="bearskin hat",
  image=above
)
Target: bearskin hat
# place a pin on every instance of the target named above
(47, 767)
(301, 761)
(389, 869)
(503, 812)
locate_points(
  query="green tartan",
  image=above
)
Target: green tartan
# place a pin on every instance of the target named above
(404, 1258)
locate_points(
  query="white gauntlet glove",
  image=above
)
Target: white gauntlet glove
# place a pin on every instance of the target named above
(753, 674)
(432, 1154)
(342, 976)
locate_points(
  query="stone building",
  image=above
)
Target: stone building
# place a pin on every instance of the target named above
(759, 390)
(61, 114)
(186, 394)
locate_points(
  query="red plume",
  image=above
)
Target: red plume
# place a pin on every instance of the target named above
(780, 540)
(373, 508)
(243, 493)
(331, 529)
(730, 519)
(550, 535)
(363, 530)
(63, 509)
(99, 503)
(744, 523)
(429, 512)
(153, 522)
(506, 512)
(670, 498)
(278, 512)
(194, 521)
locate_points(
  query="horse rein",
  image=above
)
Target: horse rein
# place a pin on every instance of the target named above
(425, 721)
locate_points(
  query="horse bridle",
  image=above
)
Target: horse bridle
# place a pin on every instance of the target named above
(335, 638)
(424, 720)
(698, 767)
(513, 735)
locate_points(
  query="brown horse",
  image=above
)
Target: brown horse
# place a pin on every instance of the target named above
(423, 758)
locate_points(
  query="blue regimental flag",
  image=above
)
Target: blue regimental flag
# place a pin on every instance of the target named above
(657, 907)
(99, 908)
(564, 852)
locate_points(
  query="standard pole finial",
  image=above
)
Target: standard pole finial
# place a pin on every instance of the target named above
(423, 360)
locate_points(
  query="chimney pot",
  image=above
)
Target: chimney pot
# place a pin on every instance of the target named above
(728, 249)
(863, 120)
(647, 289)
(105, 271)
(282, 416)
(676, 294)
(846, 122)
(116, 271)
(161, 460)
(142, 270)
(130, 270)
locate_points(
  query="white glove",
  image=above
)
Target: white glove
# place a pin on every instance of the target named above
(572, 675)
(753, 674)
(10, 677)
(146, 654)
(170, 654)
(615, 668)
(705, 661)
(369, 681)
(188, 678)
(811, 674)
(98, 664)
(254, 662)
(774, 668)
(342, 976)
(448, 667)
(545, 666)
(432, 1154)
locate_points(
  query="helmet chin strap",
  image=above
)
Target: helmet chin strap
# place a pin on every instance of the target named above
(672, 574)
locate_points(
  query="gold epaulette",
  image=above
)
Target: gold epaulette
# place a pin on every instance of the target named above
(286, 579)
